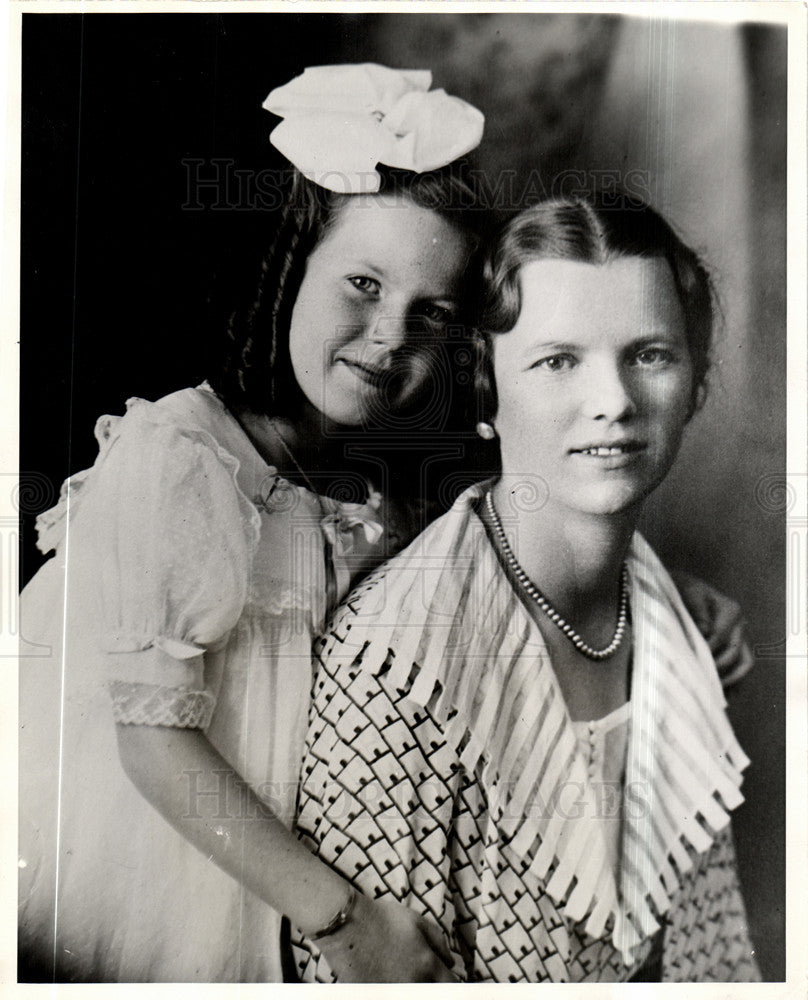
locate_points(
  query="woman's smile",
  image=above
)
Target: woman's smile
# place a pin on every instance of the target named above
(611, 456)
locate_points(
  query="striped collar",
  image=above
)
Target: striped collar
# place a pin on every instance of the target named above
(442, 622)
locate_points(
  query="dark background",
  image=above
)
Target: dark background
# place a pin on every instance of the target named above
(123, 284)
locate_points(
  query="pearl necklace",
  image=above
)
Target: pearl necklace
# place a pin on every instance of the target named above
(548, 609)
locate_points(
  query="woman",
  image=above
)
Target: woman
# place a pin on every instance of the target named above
(517, 728)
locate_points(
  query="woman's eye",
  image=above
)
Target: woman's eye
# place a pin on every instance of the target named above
(555, 363)
(653, 356)
(365, 284)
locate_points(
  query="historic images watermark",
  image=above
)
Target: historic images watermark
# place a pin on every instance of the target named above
(219, 185)
(220, 796)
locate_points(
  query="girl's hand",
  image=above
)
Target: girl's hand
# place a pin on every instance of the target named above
(721, 622)
(386, 942)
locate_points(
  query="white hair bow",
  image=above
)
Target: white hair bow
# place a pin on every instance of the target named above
(341, 121)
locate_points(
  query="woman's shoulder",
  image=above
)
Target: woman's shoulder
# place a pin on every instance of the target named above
(419, 601)
(425, 564)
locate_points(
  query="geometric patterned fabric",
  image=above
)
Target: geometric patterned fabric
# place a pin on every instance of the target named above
(706, 940)
(385, 801)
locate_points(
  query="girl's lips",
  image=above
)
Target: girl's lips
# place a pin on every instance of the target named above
(367, 373)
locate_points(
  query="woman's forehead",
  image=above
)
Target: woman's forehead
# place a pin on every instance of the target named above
(571, 293)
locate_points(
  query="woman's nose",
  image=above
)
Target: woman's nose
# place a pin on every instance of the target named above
(608, 394)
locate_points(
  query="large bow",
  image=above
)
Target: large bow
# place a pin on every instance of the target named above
(341, 121)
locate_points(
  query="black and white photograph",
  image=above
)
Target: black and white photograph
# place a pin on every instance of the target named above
(411, 564)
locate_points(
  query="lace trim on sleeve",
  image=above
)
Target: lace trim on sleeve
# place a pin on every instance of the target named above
(135, 704)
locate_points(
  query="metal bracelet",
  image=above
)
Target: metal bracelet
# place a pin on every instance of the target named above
(340, 920)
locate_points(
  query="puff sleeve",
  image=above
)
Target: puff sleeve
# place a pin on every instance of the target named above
(172, 538)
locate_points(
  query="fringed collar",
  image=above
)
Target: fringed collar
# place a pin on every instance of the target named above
(443, 624)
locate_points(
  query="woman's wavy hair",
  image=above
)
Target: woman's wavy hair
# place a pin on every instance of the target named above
(252, 367)
(590, 230)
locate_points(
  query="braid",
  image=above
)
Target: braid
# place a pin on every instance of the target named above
(254, 366)
(290, 261)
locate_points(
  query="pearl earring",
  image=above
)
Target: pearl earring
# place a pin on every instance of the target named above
(486, 431)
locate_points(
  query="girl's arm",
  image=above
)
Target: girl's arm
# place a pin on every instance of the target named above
(721, 622)
(382, 941)
(173, 541)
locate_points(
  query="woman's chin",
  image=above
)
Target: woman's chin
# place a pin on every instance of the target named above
(608, 500)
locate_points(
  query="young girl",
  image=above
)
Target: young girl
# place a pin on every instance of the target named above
(516, 728)
(199, 556)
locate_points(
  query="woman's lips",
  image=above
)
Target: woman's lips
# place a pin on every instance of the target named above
(609, 450)
(611, 456)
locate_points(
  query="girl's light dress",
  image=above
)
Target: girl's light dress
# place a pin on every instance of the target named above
(187, 585)
(442, 769)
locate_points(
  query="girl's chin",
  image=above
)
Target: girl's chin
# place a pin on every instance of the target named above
(345, 410)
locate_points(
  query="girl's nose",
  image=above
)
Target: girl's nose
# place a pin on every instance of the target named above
(389, 328)
(608, 394)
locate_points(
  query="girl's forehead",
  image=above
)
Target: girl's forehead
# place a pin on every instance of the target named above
(378, 216)
(392, 232)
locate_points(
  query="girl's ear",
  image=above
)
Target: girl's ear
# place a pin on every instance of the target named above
(485, 393)
(698, 400)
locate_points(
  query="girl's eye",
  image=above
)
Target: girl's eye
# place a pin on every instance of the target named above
(555, 363)
(653, 357)
(365, 284)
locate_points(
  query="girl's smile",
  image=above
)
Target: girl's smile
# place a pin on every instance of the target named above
(372, 374)
(594, 381)
(378, 295)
